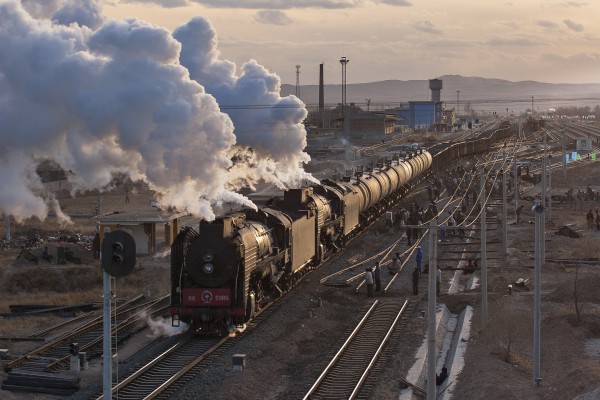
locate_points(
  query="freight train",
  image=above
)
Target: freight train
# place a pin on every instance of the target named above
(224, 273)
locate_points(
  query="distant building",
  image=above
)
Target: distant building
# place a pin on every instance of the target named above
(375, 123)
(422, 115)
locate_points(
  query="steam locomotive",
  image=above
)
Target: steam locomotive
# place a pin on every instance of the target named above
(225, 272)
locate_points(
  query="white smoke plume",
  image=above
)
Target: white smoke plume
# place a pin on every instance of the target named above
(264, 121)
(161, 327)
(114, 97)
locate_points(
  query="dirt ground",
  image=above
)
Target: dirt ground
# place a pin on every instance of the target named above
(498, 361)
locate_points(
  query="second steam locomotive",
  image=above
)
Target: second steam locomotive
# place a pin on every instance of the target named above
(225, 272)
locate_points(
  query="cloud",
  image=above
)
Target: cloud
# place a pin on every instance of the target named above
(272, 17)
(269, 125)
(82, 12)
(399, 3)
(262, 4)
(584, 66)
(523, 41)
(427, 26)
(510, 24)
(272, 4)
(574, 26)
(576, 4)
(163, 3)
(547, 24)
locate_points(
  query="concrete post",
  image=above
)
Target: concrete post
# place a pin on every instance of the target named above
(106, 338)
(538, 210)
(484, 284)
(7, 220)
(504, 216)
(431, 303)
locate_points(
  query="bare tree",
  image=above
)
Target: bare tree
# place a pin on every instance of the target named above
(577, 296)
(508, 327)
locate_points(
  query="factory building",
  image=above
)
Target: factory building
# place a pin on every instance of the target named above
(421, 116)
(372, 123)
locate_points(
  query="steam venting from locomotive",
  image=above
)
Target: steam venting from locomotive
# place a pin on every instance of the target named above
(102, 96)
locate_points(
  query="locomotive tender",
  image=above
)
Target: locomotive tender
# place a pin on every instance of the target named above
(224, 273)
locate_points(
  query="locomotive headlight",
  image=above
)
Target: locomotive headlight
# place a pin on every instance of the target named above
(207, 257)
(208, 268)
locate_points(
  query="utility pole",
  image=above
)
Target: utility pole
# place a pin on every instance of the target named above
(98, 212)
(515, 172)
(431, 318)
(484, 284)
(504, 216)
(531, 105)
(564, 150)
(368, 104)
(457, 102)
(549, 186)
(538, 210)
(544, 193)
(106, 330)
(7, 220)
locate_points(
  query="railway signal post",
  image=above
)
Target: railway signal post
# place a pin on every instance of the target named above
(117, 256)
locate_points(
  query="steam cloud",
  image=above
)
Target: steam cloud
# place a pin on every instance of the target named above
(116, 96)
(162, 327)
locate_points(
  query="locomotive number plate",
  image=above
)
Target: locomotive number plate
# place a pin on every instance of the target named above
(206, 297)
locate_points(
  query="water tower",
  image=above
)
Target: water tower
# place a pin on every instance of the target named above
(435, 85)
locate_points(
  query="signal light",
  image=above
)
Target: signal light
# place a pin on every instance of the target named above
(118, 253)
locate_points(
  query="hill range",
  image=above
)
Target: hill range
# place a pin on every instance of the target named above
(481, 93)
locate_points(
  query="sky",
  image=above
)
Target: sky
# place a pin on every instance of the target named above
(556, 41)
(185, 94)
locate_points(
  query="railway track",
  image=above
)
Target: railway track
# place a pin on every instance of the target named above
(54, 356)
(347, 375)
(154, 377)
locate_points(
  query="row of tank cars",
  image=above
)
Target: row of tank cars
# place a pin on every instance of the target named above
(229, 269)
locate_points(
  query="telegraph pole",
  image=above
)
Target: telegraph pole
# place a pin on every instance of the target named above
(564, 149)
(504, 216)
(7, 220)
(549, 186)
(431, 321)
(515, 173)
(544, 193)
(457, 102)
(538, 210)
(484, 285)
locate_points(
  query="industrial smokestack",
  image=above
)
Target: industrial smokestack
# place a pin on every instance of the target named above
(321, 97)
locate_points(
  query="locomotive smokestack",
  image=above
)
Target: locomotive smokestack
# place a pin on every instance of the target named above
(321, 97)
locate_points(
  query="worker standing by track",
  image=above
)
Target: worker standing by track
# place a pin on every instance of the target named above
(369, 280)
(377, 273)
(419, 259)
